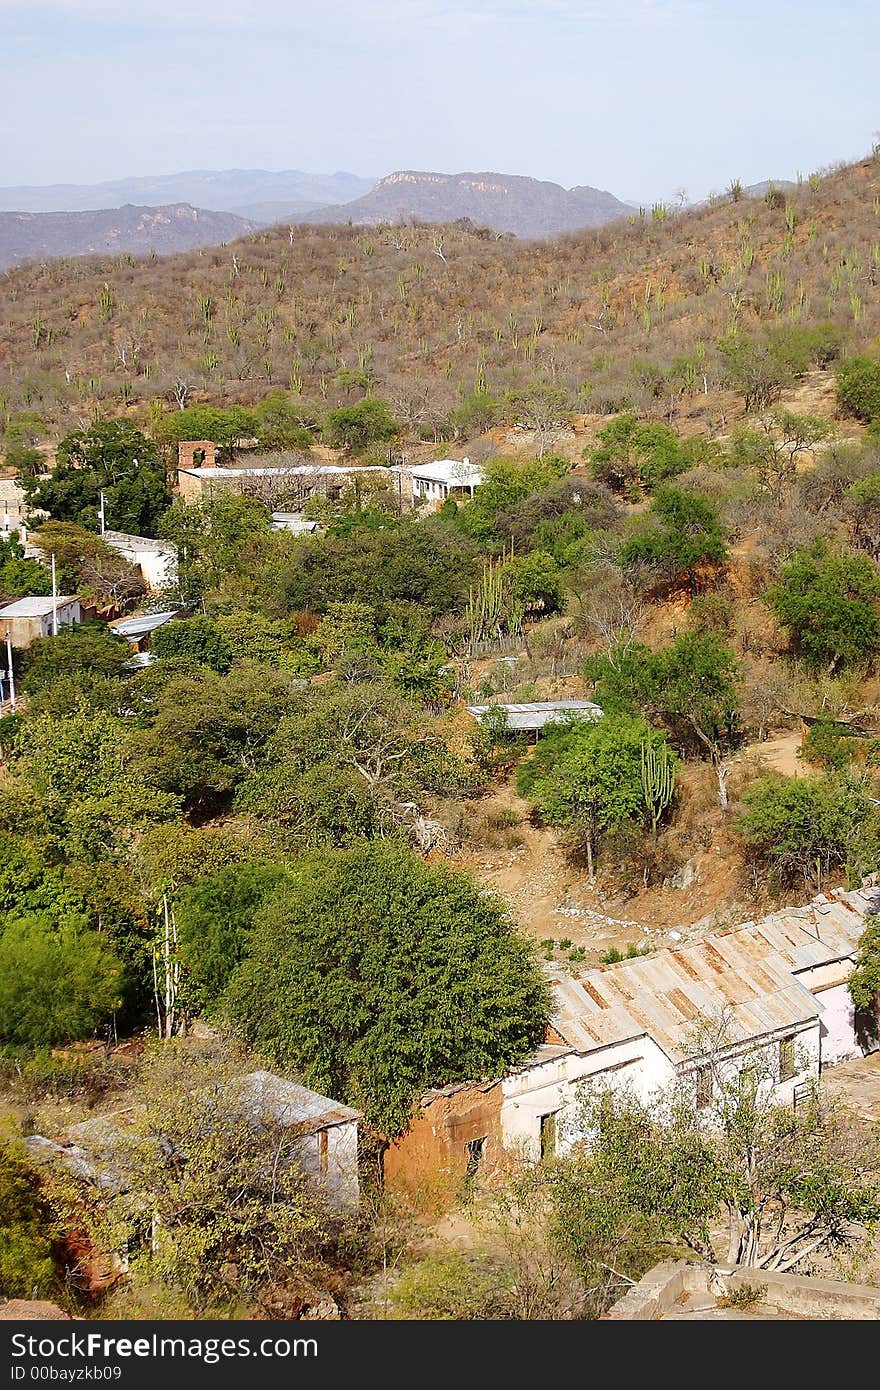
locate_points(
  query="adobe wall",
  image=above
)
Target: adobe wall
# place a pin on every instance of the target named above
(196, 453)
(431, 1159)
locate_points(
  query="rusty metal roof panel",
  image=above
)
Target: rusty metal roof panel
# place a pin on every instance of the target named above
(747, 974)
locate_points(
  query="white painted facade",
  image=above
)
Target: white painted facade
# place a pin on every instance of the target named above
(156, 560)
(556, 1085)
(552, 1087)
(434, 482)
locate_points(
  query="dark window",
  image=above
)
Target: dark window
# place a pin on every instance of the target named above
(787, 1067)
(704, 1087)
(475, 1149)
(548, 1135)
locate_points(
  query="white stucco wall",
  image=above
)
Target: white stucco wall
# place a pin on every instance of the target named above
(337, 1176)
(554, 1086)
(837, 1025)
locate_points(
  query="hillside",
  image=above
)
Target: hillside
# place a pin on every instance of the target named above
(219, 190)
(629, 314)
(506, 202)
(26, 236)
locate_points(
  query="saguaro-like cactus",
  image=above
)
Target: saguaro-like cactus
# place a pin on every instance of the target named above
(658, 781)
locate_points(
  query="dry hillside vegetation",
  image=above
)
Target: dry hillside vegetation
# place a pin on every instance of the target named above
(628, 315)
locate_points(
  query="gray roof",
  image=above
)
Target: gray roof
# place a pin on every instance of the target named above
(141, 624)
(299, 470)
(35, 607)
(293, 1106)
(122, 538)
(293, 522)
(541, 712)
(749, 974)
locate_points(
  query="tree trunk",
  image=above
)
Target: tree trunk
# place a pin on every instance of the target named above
(721, 772)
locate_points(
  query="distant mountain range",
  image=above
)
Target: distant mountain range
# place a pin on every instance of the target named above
(26, 236)
(176, 212)
(506, 202)
(224, 190)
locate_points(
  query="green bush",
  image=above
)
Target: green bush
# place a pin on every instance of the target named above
(26, 1267)
(858, 387)
(827, 603)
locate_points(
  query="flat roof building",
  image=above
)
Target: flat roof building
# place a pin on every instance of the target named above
(26, 619)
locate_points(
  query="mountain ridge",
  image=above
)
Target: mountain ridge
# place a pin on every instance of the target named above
(513, 203)
(167, 230)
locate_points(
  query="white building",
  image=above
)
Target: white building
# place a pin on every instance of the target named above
(434, 482)
(29, 618)
(778, 986)
(156, 560)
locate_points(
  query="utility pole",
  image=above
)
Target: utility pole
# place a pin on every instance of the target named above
(54, 599)
(11, 673)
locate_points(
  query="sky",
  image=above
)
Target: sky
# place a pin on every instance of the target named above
(642, 97)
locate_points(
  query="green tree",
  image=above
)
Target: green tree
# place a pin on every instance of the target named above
(56, 984)
(862, 511)
(761, 1184)
(631, 455)
(858, 387)
(223, 425)
(827, 603)
(685, 533)
(812, 827)
(20, 578)
(217, 1206)
(864, 981)
(587, 777)
(691, 687)
(356, 427)
(207, 731)
(111, 457)
(87, 565)
(280, 423)
(89, 647)
(196, 641)
(376, 975)
(534, 581)
(214, 916)
(26, 1266)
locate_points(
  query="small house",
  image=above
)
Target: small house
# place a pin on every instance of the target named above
(773, 990)
(324, 1134)
(156, 560)
(531, 719)
(26, 619)
(434, 482)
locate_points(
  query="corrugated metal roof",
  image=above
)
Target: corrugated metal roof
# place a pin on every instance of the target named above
(290, 1105)
(540, 712)
(748, 973)
(142, 624)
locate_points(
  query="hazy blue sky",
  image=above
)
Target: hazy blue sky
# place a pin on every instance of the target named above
(638, 96)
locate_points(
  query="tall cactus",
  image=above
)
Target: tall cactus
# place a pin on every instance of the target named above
(658, 781)
(485, 610)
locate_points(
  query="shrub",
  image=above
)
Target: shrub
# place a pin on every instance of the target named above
(858, 387)
(826, 602)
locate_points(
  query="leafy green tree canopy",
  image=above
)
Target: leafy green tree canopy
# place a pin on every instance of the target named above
(858, 387)
(56, 985)
(375, 975)
(827, 603)
(111, 457)
(356, 427)
(684, 534)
